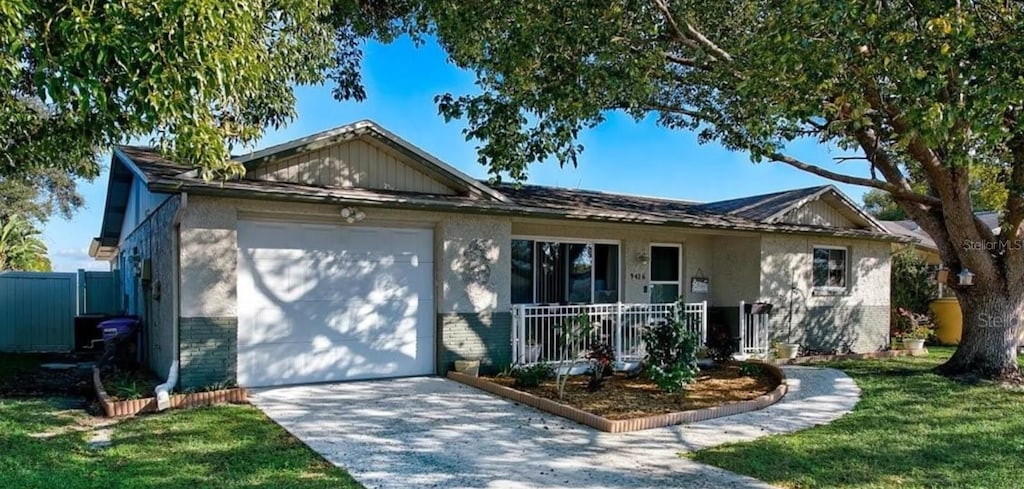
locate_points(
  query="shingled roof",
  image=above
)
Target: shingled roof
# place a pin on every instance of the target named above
(753, 213)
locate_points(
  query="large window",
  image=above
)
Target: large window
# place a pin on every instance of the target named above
(830, 269)
(555, 272)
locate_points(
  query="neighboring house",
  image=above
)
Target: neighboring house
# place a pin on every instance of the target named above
(924, 246)
(352, 254)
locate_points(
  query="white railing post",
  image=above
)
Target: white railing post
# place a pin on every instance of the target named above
(618, 334)
(520, 333)
(704, 322)
(516, 355)
(743, 327)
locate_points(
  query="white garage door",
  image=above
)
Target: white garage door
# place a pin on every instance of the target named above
(323, 303)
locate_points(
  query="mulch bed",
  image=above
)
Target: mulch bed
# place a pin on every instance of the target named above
(31, 380)
(624, 398)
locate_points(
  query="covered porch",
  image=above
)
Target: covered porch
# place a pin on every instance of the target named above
(539, 332)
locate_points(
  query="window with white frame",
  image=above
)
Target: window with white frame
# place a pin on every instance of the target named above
(563, 272)
(831, 268)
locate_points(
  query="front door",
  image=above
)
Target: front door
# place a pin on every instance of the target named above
(666, 273)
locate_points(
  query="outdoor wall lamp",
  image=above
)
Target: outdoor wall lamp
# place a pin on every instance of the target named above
(965, 277)
(643, 258)
(352, 215)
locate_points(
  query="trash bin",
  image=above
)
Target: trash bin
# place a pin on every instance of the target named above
(120, 340)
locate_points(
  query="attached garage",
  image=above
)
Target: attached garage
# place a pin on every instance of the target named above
(326, 302)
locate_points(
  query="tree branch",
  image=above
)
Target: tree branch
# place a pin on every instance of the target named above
(852, 180)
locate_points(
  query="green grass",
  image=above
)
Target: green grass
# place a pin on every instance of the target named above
(217, 447)
(911, 429)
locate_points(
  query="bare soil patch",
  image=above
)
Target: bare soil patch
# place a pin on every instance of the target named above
(626, 398)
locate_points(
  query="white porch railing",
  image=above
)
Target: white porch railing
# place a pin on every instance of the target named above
(537, 330)
(754, 333)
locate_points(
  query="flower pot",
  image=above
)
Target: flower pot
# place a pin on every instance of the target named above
(532, 354)
(468, 367)
(913, 344)
(787, 351)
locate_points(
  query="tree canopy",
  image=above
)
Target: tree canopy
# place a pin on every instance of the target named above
(201, 78)
(21, 247)
(924, 96)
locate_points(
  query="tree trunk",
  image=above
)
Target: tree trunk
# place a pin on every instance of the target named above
(988, 346)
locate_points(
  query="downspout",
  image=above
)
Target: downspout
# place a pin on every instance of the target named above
(163, 391)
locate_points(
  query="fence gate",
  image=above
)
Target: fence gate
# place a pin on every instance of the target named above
(38, 309)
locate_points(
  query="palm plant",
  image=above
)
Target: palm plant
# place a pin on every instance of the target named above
(21, 247)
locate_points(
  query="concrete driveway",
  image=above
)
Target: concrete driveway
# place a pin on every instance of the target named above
(431, 432)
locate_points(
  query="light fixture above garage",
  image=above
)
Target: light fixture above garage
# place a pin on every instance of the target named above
(352, 215)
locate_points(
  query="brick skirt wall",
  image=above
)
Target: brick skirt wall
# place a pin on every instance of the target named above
(486, 337)
(209, 351)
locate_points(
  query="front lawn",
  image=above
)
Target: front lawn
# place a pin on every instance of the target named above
(911, 429)
(44, 444)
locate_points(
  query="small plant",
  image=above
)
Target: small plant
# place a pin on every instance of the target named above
(703, 353)
(573, 333)
(530, 376)
(505, 371)
(601, 356)
(129, 389)
(720, 346)
(671, 355)
(921, 325)
(219, 386)
(749, 369)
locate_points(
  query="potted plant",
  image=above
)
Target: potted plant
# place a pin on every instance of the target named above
(787, 351)
(921, 327)
(532, 354)
(914, 338)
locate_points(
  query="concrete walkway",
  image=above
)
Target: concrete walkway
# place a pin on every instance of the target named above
(431, 432)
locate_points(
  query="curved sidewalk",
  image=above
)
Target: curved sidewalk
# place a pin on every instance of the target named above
(431, 432)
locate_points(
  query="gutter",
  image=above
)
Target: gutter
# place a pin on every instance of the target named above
(163, 391)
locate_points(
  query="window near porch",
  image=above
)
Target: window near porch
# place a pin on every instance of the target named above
(830, 269)
(553, 272)
(665, 274)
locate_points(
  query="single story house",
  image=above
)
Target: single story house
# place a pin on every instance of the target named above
(353, 254)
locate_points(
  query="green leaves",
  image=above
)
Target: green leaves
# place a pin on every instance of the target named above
(201, 78)
(21, 246)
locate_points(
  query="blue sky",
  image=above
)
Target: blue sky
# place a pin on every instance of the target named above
(621, 155)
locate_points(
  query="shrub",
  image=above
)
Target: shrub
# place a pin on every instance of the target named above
(671, 355)
(720, 346)
(531, 375)
(912, 289)
(601, 356)
(748, 369)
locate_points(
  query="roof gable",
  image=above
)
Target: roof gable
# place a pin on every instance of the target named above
(362, 155)
(823, 206)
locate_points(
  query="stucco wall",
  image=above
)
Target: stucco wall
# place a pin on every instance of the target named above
(736, 264)
(152, 300)
(856, 320)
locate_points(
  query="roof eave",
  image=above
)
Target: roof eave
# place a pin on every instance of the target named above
(477, 207)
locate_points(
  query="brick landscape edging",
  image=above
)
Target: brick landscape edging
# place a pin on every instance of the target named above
(875, 355)
(131, 407)
(623, 425)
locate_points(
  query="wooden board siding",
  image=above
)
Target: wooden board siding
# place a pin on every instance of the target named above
(819, 213)
(351, 164)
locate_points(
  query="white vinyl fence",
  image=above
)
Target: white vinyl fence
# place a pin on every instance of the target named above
(538, 331)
